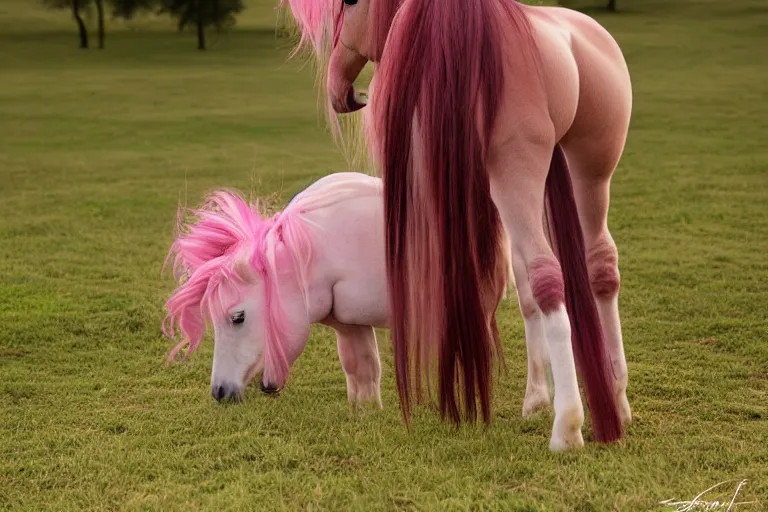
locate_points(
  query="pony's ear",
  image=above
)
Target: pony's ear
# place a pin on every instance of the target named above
(243, 269)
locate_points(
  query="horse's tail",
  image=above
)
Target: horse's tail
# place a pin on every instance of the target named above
(586, 334)
(438, 85)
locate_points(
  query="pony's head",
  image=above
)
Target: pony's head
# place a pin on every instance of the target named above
(227, 264)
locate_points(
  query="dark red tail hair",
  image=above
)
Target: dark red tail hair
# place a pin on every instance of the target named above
(586, 333)
(442, 67)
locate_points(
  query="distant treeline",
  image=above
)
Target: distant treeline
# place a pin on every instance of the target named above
(201, 14)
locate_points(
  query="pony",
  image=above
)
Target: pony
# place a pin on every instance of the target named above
(485, 106)
(261, 281)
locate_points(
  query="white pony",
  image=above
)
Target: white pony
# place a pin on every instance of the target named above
(262, 282)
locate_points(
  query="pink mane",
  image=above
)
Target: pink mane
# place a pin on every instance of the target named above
(218, 254)
(382, 12)
(314, 19)
(319, 20)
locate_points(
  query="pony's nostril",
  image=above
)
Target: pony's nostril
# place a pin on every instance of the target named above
(227, 392)
(268, 389)
(219, 393)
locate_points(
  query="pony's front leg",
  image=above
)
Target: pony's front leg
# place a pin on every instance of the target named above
(359, 356)
(517, 187)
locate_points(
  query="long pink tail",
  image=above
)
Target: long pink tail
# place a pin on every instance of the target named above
(587, 337)
(445, 265)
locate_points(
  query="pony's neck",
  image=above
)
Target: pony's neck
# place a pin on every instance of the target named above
(293, 271)
(287, 316)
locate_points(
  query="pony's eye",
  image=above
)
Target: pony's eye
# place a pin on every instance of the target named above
(350, 2)
(238, 317)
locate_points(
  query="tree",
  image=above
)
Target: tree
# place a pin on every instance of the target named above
(76, 6)
(200, 13)
(100, 10)
(203, 14)
(127, 9)
(120, 9)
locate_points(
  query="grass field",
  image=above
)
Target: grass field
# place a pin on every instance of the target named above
(97, 148)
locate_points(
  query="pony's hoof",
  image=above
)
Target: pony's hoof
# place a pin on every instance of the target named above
(366, 405)
(361, 395)
(566, 433)
(535, 400)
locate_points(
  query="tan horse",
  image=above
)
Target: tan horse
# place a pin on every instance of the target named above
(482, 104)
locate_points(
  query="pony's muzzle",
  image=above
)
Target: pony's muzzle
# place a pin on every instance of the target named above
(268, 389)
(226, 393)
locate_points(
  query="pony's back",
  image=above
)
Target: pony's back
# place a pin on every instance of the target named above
(336, 187)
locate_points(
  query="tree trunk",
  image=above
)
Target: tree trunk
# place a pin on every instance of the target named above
(200, 33)
(80, 24)
(612, 5)
(100, 9)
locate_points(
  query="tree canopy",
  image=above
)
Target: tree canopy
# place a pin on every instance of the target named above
(201, 14)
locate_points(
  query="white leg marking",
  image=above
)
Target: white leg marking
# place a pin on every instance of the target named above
(569, 411)
(537, 388)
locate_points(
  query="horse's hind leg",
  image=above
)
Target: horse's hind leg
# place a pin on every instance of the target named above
(517, 187)
(537, 388)
(592, 165)
(593, 146)
(359, 356)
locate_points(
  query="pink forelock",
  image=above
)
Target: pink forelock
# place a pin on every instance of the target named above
(338, 22)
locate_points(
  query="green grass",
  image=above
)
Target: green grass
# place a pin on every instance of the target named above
(97, 147)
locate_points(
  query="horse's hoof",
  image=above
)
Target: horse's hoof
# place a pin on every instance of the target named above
(535, 400)
(566, 432)
(625, 413)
